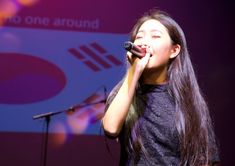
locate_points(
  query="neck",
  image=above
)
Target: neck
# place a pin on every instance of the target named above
(158, 76)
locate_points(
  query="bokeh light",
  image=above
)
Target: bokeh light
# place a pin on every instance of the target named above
(7, 9)
(90, 111)
(27, 2)
(60, 136)
(79, 122)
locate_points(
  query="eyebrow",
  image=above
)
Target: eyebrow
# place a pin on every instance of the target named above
(153, 30)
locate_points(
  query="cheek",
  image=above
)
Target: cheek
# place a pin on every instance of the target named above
(162, 51)
(160, 57)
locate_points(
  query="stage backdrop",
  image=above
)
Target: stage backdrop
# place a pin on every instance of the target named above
(61, 58)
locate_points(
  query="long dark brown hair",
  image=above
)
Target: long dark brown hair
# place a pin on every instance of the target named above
(193, 121)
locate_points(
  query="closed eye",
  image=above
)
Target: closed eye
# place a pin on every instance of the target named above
(156, 36)
(138, 37)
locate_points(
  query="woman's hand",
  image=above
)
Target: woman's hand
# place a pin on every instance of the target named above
(119, 107)
(138, 64)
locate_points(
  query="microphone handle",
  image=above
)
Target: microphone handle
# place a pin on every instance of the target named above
(138, 54)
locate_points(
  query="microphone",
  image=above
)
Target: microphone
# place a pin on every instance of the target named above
(134, 49)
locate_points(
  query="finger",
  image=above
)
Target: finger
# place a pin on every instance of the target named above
(130, 57)
(146, 58)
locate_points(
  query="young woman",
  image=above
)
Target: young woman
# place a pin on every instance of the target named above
(157, 111)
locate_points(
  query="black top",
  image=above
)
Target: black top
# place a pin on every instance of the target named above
(157, 128)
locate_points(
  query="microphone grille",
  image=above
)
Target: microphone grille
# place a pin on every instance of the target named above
(128, 45)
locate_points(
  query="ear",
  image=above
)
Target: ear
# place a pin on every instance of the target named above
(175, 51)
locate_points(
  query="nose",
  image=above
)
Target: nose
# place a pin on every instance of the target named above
(145, 42)
(144, 45)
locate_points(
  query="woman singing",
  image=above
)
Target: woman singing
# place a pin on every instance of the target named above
(157, 110)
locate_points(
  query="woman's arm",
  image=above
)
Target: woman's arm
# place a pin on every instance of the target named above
(117, 111)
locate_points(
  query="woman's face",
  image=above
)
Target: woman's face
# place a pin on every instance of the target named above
(154, 35)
